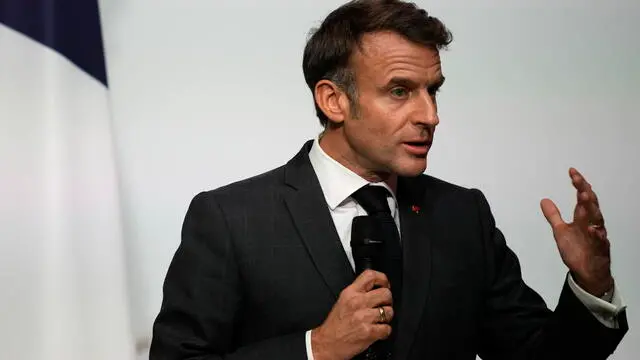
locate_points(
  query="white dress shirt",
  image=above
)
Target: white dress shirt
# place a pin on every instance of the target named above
(338, 183)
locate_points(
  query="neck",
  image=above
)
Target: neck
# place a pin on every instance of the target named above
(334, 146)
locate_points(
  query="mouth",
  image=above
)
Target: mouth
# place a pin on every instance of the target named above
(417, 148)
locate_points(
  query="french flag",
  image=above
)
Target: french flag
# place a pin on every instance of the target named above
(62, 261)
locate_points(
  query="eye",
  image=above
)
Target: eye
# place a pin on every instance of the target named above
(399, 92)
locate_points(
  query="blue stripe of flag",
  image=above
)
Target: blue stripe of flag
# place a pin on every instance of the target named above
(70, 27)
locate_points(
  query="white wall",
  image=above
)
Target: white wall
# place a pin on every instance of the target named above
(208, 92)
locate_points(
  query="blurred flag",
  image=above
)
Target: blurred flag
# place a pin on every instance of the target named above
(62, 266)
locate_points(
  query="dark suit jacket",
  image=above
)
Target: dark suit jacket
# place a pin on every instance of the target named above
(260, 263)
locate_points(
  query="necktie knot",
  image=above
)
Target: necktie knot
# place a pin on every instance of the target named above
(373, 199)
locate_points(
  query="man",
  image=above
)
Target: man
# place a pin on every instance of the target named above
(265, 268)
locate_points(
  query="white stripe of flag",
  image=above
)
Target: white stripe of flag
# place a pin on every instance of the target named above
(62, 259)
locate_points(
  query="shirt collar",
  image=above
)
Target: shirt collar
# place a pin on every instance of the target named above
(337, 182)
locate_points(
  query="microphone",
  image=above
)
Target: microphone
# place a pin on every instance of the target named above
(367, 249)
(366, 246)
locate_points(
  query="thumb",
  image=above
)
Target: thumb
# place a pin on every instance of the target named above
(551, 213)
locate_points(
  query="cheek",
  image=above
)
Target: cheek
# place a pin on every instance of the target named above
(377, 133)
(384, 122)
(369, 135)
(379, 127)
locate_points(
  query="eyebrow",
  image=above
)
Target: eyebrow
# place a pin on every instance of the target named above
(402, 81)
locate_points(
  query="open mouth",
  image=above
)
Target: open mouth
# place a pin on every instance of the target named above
(418, 143)
(417, 147)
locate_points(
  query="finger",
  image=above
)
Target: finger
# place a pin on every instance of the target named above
(581, 215)
(588, 208)
(375, 316)
(383, 319)
(369, 279)
(589, 201)
(379, 331)
(595, 214)
(551, 213)
(579, 182)
(378, 297)
(582, 186)
(587, 195)
(599, 235)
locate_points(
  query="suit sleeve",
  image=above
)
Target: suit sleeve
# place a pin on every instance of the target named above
(202, 297)
(516, 321)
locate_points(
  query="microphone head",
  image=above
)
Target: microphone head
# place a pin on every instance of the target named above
(366, 244)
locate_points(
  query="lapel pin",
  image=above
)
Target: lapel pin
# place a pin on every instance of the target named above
(415, 209)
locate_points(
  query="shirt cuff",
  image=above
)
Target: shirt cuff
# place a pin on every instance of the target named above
(605, 311)
(307, 340)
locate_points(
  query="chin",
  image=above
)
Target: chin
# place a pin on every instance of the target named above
(412, 168)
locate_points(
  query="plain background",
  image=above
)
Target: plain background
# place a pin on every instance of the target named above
(209, 92)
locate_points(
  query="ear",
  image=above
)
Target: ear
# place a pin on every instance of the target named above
(332, 101)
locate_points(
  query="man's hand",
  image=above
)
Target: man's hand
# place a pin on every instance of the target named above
(583, 244)
(355, 323)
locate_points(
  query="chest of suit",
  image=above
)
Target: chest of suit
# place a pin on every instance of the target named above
(293, 267)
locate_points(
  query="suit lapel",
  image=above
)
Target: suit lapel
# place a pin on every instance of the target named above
(308, 209)
(307, 206)
(415, 207)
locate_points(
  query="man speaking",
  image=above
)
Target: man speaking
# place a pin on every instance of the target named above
(350, 251)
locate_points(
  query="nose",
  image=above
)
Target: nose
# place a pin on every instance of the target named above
(426, 110)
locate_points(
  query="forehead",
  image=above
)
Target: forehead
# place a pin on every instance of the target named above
(383, 55)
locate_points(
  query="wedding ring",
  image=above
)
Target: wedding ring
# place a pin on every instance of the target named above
(383, 315)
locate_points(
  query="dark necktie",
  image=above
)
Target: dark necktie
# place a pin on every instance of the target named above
(373, 200)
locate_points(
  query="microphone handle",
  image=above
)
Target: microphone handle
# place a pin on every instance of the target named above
(366, 264)
(379, 349)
